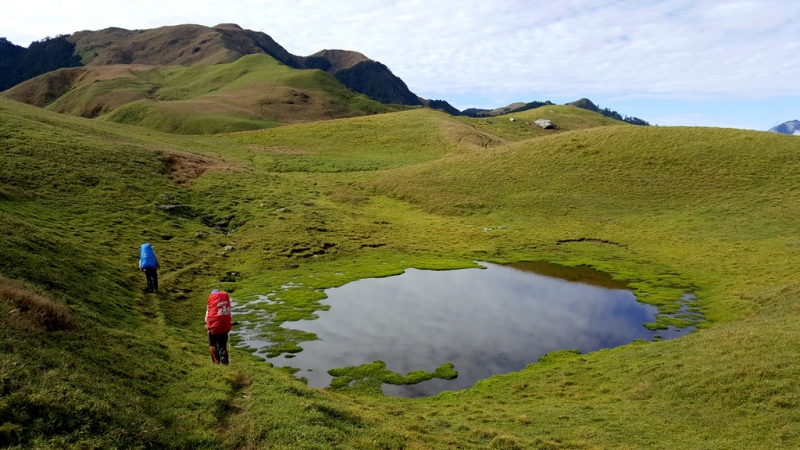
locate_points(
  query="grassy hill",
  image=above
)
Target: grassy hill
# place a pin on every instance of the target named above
(184, 45)
(89, 360)
(180, 45)
(253, 92)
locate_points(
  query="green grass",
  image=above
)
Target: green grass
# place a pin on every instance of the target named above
(667, 210)
(174, 119)
(254, 92)
(98, 97)
(367, 378)
(565, 118)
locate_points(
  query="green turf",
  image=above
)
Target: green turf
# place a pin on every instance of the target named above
(668, 210)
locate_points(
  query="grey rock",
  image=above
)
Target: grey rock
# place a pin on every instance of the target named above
(544, 123)
(175, 208)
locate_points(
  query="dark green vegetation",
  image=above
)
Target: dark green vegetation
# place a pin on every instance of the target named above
(442, 105)
(18, 64)
(319, 204)
(585, 103)
(376, 81)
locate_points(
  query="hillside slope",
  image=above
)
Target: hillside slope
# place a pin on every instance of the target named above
(670, 210)
(189, 45)
(253, 92)
(399, 139)
(184, 45)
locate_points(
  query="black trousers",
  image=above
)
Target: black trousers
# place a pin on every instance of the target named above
(218, 345)
(152, 279)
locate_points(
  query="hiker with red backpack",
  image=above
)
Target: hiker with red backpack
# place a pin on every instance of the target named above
(218, 324)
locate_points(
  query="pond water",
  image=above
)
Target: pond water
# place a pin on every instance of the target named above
(484, 321)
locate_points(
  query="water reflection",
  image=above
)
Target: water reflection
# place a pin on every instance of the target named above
(485, 321)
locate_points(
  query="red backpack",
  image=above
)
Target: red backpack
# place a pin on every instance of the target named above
(218, 320)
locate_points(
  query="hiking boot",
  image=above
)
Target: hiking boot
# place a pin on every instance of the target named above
(223, 355)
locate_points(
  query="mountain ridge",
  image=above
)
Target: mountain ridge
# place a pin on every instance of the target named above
(253, 92)
(788, 127)
(191, 44)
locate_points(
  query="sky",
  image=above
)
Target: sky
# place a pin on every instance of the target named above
(725, 63)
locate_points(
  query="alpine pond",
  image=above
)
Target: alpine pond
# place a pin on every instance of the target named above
(484, 321)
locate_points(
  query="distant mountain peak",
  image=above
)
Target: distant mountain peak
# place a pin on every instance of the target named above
(340, 59)
(229, 26)
(584, 103)
(790, 127)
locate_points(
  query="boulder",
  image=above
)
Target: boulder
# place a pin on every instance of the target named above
(544, 123)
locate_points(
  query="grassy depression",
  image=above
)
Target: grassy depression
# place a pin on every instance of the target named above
(666, 209)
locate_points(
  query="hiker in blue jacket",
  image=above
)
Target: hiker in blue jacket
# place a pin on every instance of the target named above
(149, 264)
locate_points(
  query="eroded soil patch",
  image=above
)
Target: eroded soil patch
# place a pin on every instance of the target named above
(184, 168)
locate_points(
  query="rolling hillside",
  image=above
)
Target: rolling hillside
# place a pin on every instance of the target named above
(89, 360)
(253, 92)
(190, 45)
(184, 45)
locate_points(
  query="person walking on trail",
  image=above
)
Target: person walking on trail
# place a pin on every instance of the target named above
(218, 324)
(149, 264)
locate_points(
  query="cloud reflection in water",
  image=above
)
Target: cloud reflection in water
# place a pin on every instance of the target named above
(485, 321)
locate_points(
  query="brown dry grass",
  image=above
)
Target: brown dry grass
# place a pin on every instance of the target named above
(186, 167)
(35, 308)
(184, 45)
(171, 45)
(42, 90)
